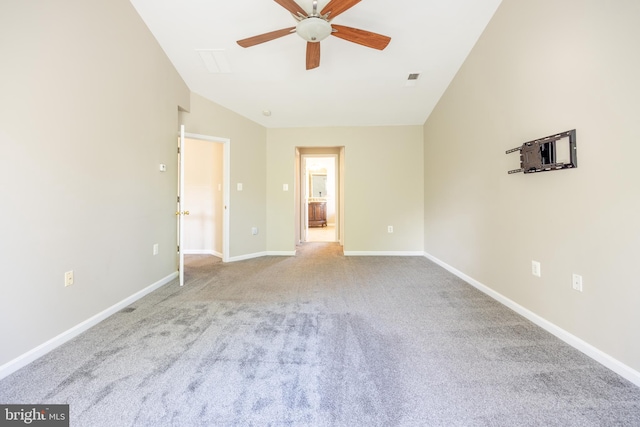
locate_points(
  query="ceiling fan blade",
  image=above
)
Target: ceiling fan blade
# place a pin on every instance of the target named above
(292, 7)
(362, 37)
(313, 55)
(336, 7)
(252, 41)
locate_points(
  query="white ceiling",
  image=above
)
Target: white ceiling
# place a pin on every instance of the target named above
(354, 85)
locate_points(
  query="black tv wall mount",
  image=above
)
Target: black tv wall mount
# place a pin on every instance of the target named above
(550, 153)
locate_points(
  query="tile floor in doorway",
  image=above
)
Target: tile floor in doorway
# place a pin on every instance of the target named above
(322, 234)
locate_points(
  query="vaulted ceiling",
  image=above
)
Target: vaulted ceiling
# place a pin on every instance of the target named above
(353, 86)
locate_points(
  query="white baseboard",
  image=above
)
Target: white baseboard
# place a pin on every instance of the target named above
(383, 253)
(247, 256)
(281, 253)
(261, 254)
(44, 348)
(202, 252)
(583, 346)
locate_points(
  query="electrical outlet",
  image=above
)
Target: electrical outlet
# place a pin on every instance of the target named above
(577, 282)
(239, 186)
(285, 187)
(68, 278)
(535, 269)
(155, 249)
(254, 230)
(390, 229)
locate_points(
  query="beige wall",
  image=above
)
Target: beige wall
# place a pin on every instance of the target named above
(89, 110)
(543, 67)
(383, 185)
(247, 153)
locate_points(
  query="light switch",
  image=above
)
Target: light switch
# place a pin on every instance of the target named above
(239, 186)
(285, 187)
(163, 167)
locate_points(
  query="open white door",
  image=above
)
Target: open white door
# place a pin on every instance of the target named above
(180, 213)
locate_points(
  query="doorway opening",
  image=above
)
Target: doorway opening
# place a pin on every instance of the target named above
(203, 197)
(319, 200)
(203, 200)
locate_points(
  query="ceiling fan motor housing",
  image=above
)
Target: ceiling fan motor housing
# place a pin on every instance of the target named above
(314, 29)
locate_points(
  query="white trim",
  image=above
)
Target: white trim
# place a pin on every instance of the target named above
(261, 254)
(383, 253)
(205, 137)
(247, 256)
(44, 348)
(281, 253)
(583, 346)
(302, 198)
(202, 252)
(181, 203)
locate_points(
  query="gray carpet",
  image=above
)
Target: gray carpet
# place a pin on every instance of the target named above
(323, 340)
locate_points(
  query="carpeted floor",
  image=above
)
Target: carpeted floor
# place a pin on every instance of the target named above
(323, 340)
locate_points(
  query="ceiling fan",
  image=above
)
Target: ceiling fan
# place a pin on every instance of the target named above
(315, 27)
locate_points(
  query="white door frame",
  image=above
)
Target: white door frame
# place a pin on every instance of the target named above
(341, 176)
(225, 195)
(226, 162)
(180, 204)
(338, 197)
(299, 214)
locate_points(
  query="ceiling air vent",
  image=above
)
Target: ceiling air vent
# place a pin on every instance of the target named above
(412, 79)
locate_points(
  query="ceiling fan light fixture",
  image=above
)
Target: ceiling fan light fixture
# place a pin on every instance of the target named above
(313, 29)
